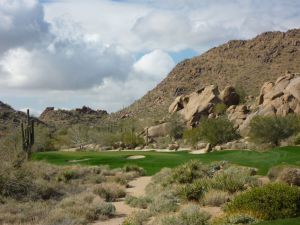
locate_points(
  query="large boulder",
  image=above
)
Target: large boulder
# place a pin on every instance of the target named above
(229, 96)
(196, 104)
(159, 130)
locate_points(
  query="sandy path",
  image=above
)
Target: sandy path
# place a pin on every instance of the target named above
(137, 188)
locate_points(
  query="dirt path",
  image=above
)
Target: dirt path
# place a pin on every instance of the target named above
(137, 189)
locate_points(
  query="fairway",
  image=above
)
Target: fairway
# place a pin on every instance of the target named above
(293, 221)
(154, 161)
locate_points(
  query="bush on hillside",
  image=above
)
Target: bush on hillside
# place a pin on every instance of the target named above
(220, 108)
(177, 126)
(272, 201)
(192, 136)
(217, 131)
(271, 129)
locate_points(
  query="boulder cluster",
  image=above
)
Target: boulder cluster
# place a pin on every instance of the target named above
(202, 103)
(275, 99)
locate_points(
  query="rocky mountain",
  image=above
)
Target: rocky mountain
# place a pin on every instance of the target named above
(244, 64)
(84, 115)
(10, 118)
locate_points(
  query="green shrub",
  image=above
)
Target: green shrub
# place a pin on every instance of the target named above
(192, 136)
(272, 130)
(110, 191)
(217, 131)
(296, 139)
(240, 219)
(273, 201)
(194, 191)
(134, 168)
(234, 179)
(190, 171)
(131, 140)
(189, 215)
(220, 108)
(177, 126)
(137, 202)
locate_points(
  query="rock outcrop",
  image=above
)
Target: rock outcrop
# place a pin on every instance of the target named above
(202, 102)
(276, 99)
(155, 131)
(83, 115)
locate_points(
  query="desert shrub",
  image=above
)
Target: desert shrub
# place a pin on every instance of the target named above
(134, 168)
(217, 131)
(272, 201)
(110, 191)
(137, 218)
(194, 191)
(177, 126)
(163, 203)
(159, 182)
(192, 136)
(271, 129)
(68, 175)
(234, 179)
(137, 202)
(190, 215)
(220, 108)
(131, 140)
(190, 171)
(287, 174)
(103, 211)
(240, 219)
(241, 93)
(296, 139)
(215, 197)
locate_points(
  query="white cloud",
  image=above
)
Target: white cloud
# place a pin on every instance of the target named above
(21, 23)
(68, 53)
(155, 65)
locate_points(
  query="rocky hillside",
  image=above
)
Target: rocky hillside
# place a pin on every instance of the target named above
(10, 118)
(84, 115)
(245, 64)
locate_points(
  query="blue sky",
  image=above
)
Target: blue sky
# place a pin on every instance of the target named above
(108, 53)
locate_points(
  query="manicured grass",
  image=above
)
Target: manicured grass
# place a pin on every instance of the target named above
(294, 221)
(154, 161)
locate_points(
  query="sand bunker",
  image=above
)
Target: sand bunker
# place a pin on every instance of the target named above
(78, 160)
(136, 157)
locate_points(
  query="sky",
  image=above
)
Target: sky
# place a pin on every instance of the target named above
(108, 53)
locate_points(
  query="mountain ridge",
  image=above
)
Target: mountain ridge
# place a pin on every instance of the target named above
(246, 64)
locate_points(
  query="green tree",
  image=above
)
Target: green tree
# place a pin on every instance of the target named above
(217, 131)
(273, 129)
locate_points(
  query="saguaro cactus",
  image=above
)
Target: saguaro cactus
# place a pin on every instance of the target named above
(27, 130)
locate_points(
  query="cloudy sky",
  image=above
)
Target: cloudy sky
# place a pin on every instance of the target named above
(108, 53)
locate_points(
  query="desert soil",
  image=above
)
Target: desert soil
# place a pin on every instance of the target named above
(137, 189)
